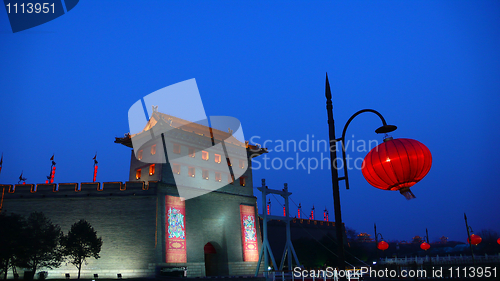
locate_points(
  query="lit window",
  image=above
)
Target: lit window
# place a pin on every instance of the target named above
(176, 169)
(242, 181)
(139, 155)
(217, 158)
(230, 179)
(204, 155)
(229, 162)
(177, 148)
(191, 172)
(151, 169)
(218, 177)
(242, 164)
(192, 152)
(153, 149)
(138, 174)
(204, 174)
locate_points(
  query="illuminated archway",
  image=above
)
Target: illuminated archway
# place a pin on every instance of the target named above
(211, 265)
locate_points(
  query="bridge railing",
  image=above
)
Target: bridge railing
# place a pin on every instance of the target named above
(449, 259)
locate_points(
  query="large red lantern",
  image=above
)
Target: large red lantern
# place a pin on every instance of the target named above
(425, 246)
(397, 164)
(498, 240)
(475, 239)
(382, 245)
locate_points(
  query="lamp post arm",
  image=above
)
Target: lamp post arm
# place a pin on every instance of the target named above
(346, 176)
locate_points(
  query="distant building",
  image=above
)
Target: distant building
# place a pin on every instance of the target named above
(147, 229)
(364, 237)
(443, 239)
(417, 239)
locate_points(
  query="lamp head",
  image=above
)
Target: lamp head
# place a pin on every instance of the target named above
(386, 129)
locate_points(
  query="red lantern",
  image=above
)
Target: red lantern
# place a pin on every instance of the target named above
(53, 174)
(382, 245)
(425, 246)
(498, 240)
(397, 164)
(476, 239)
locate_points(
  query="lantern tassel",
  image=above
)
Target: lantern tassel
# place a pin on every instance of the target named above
(407, 193)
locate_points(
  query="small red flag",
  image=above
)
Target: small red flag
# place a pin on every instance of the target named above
(52, 158)
(95, 167)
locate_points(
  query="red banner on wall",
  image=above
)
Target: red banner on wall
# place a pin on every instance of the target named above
(175, 226)
(249, 233)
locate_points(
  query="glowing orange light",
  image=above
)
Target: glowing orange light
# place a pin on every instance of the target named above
(204, 155)
(217, 158)
(151, 169)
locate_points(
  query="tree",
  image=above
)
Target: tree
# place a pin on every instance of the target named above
(489, 236)
(41, 239)
(81, 243)
(489, 243)
(11, 247)
(351, 234)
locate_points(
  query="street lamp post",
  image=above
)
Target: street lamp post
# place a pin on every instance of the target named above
(469, 229)
(425, 245)
(334, 169)
(376, 241)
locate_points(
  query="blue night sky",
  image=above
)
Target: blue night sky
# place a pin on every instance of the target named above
(430, 67)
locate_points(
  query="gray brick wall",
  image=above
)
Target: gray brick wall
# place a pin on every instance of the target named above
(126, 223)
(131, 223)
